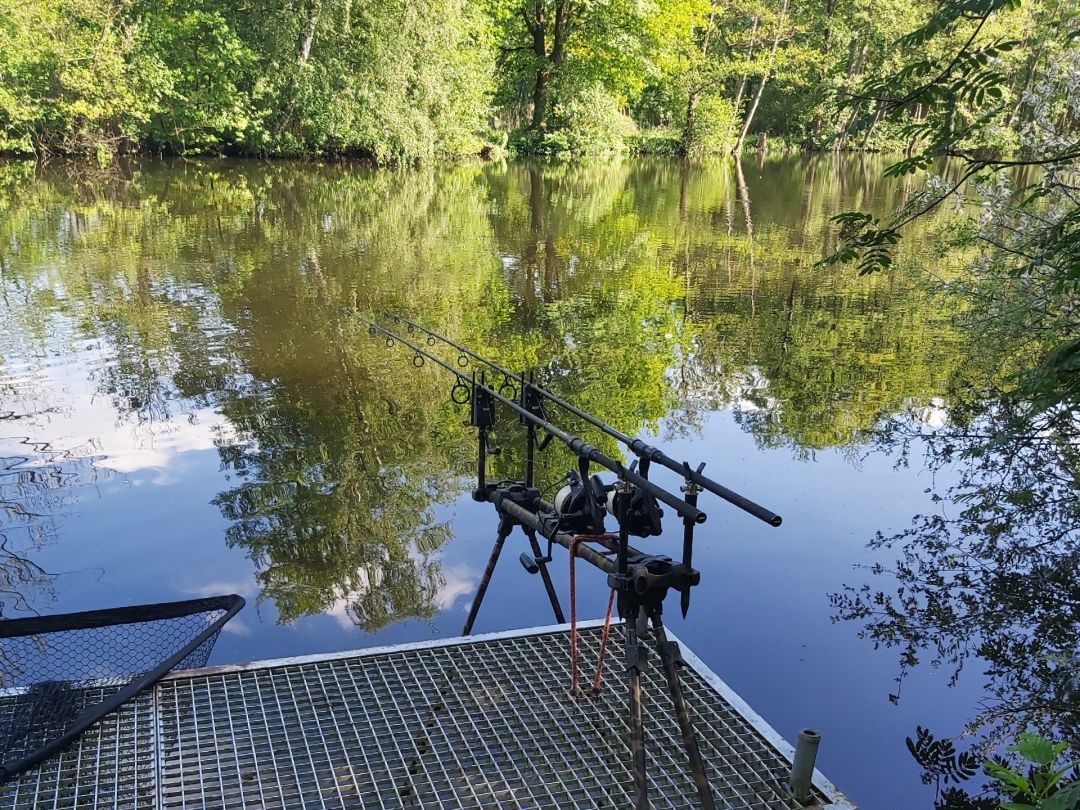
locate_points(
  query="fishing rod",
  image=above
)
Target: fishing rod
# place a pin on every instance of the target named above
(579, 446)
(641, 449)
(575, 517)
(639, 581)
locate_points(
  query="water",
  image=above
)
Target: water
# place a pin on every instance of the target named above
(188, 408)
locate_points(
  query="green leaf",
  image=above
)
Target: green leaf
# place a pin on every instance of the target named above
(1014, 782)
(1066, 799)
(1035, 749)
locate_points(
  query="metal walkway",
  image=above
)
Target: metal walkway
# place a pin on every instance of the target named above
(479, 722)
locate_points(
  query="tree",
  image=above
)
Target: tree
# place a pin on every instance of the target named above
(997, 581)
(595, 54)
(779, 33)
(73, 78)
(397, 80)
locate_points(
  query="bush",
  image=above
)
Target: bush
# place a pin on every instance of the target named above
(583, 122)
(715, 125)
(660, 141)
(592, 122)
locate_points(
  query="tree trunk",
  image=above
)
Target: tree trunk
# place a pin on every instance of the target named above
(687, 144)
(558, 45)
(873, 124)
(737, 148)
(1033, 63)
(549, 63)
(749, 55)
(535, 25)
(815, 128)
(304, 42)
(764, 79)
(855, 69)
(308, 35)
(539, 111)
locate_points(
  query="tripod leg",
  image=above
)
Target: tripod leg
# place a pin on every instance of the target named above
(545, 575)
(505, 527)
(670, 658)
(634, 656)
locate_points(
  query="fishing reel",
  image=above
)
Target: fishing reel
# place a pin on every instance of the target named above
(582, 504)
(642, 514)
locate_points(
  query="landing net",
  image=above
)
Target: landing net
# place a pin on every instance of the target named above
(61, 674)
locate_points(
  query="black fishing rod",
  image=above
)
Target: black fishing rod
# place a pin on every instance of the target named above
(583, 449)
(637, 446)
(639, 582)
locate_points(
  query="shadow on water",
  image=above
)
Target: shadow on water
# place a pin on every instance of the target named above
(207, 306)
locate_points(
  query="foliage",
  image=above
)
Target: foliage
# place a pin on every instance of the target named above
(991, 579)
(939, 759)
(996, 584)
(72, 76)
(397, 80)
(714, 122)
(964, 102)
(587, 123)
(590, 122)
(203, 67)
(663, 142)
(1050, 782)
(405, 81)
(1034, 775)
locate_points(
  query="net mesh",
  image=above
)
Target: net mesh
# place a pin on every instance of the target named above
(60, 674)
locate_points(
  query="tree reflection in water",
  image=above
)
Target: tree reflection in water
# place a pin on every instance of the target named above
(992, 580)
(37, 485)
(650, 293)
(224, 286)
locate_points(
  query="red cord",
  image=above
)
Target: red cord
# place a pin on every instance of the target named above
(575, 541)
(603, 642)
(573, 617)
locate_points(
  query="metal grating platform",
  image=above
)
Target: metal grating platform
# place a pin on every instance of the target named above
(481, 722)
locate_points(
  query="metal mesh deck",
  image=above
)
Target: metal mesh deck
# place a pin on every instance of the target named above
(486, 722)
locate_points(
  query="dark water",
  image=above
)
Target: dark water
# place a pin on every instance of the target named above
(188, 408)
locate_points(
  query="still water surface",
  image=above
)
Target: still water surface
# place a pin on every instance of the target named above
(187, 407)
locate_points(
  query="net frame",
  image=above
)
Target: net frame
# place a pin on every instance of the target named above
(229, 604)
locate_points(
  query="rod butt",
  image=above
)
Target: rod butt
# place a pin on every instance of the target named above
(802, 766)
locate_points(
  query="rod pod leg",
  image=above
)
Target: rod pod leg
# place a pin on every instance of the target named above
(670, 658)
(505, 527)
(635, 653)
(545, 575)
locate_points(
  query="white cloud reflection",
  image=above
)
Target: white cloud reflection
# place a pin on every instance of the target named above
(79, 415)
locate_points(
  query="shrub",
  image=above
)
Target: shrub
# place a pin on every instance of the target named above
(660, 141)
(715, 125)
(583, 122)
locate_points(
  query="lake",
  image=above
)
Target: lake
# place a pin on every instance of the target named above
(190, 406)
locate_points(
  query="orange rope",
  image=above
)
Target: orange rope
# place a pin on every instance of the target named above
(603, 642)
(575, 541)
